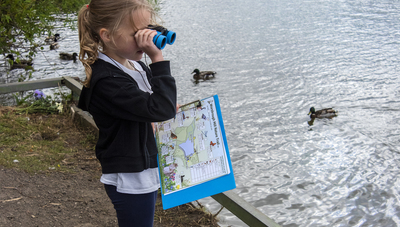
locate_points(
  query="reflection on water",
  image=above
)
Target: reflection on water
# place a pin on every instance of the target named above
(276, 59)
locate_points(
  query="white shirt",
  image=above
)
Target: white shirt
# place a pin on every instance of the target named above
(133, 183)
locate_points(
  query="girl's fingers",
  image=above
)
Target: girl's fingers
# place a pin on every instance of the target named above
(144, 41)
(145, 36)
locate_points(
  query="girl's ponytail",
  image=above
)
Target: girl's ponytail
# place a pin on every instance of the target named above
(89, 43)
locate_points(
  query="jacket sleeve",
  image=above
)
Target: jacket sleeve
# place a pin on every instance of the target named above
(121, 97)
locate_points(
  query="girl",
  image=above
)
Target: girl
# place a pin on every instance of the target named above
(124, 96)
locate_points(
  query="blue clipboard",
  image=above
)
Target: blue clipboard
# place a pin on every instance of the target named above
(205, 189)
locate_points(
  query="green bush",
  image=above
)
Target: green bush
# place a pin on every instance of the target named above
(22, 21)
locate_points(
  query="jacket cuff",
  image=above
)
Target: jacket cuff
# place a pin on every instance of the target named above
(160, 68)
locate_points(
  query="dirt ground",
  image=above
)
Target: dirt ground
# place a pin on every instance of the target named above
(74, 198)
(55, 199)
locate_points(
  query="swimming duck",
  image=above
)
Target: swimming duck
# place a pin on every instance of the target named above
(20, 64)
(66, 56)
(53, 38)
(324, 113)
(54, 46)
(205, 75)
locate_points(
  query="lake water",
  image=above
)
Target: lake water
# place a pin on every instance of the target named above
(276, 59)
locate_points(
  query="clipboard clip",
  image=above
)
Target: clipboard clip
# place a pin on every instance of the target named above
(187, 104)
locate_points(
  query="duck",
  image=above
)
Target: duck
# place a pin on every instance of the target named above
(324, 113)
(54, 46)
(53, 38)
(19, 64)
(204, 75)
(67, 56)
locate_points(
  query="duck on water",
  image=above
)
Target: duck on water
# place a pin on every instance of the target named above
(19, 63)
(203, 75)
(324, 113)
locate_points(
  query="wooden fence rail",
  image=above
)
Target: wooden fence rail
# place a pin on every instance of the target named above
(70, 82)
(230, 200)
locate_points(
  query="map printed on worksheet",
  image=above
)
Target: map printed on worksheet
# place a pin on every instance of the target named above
(190, 147)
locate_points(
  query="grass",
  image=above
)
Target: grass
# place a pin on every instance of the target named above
(40, 142)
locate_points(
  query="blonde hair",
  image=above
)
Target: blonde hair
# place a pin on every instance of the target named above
(103, 14)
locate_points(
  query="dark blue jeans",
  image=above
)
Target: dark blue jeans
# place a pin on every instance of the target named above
(133, 210)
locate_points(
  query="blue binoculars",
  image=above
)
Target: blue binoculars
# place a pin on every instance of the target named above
(163, 36)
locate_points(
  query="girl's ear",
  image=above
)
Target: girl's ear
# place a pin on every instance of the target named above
(105, 35)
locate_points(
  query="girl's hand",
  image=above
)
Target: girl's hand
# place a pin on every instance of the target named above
(177, 109)
(144, 41)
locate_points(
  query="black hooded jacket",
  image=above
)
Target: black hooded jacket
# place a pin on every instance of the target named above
(123, 113)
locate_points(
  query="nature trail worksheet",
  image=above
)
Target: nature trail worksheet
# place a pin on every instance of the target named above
(193, 151)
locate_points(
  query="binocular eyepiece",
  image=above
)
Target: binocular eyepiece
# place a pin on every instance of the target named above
(163, 36)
